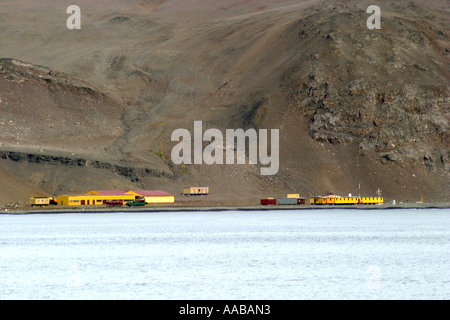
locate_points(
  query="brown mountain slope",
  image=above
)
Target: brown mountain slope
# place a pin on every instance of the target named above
(351, 104)
(44, 109)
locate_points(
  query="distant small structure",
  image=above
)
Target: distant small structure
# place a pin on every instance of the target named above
(41, 201)
(268, 201)
(196, 191)
(290, 199)
(286, 201)
(338, 200)
(154, 196)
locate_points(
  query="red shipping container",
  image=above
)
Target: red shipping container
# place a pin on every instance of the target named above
(268, 201)
(301, 201)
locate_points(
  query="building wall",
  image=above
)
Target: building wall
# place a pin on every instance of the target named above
(94, 198)
(168, 199)
(39, 201)
(78, 200)
(196, 190)
(346, 200)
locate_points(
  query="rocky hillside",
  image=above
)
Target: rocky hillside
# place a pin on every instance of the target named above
(352, 104)
(45, 109)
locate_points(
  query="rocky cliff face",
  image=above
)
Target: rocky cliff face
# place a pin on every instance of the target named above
(387, 88)
(351, 104)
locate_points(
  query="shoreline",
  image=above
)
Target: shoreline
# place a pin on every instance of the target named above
(68, 210)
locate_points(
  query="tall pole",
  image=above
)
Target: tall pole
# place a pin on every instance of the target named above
(359, 190)
(379, 192)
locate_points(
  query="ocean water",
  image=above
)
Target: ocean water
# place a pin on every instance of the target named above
(284, 254)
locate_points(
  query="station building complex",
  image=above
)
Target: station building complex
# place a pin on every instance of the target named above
(100, 197)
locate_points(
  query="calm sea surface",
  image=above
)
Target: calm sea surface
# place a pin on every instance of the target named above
(304, 254)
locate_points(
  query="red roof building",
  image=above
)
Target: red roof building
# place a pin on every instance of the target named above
(152, 193)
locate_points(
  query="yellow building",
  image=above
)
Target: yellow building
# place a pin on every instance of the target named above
(347, 200)
(100, 197)
(372, 200)
(107, 192)
(92, 199)
(293, 195)
(317, 200)
(337, 200)
(154, 196)
(191, 191)
(40, 201)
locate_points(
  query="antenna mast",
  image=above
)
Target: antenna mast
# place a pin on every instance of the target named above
(359, 189)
